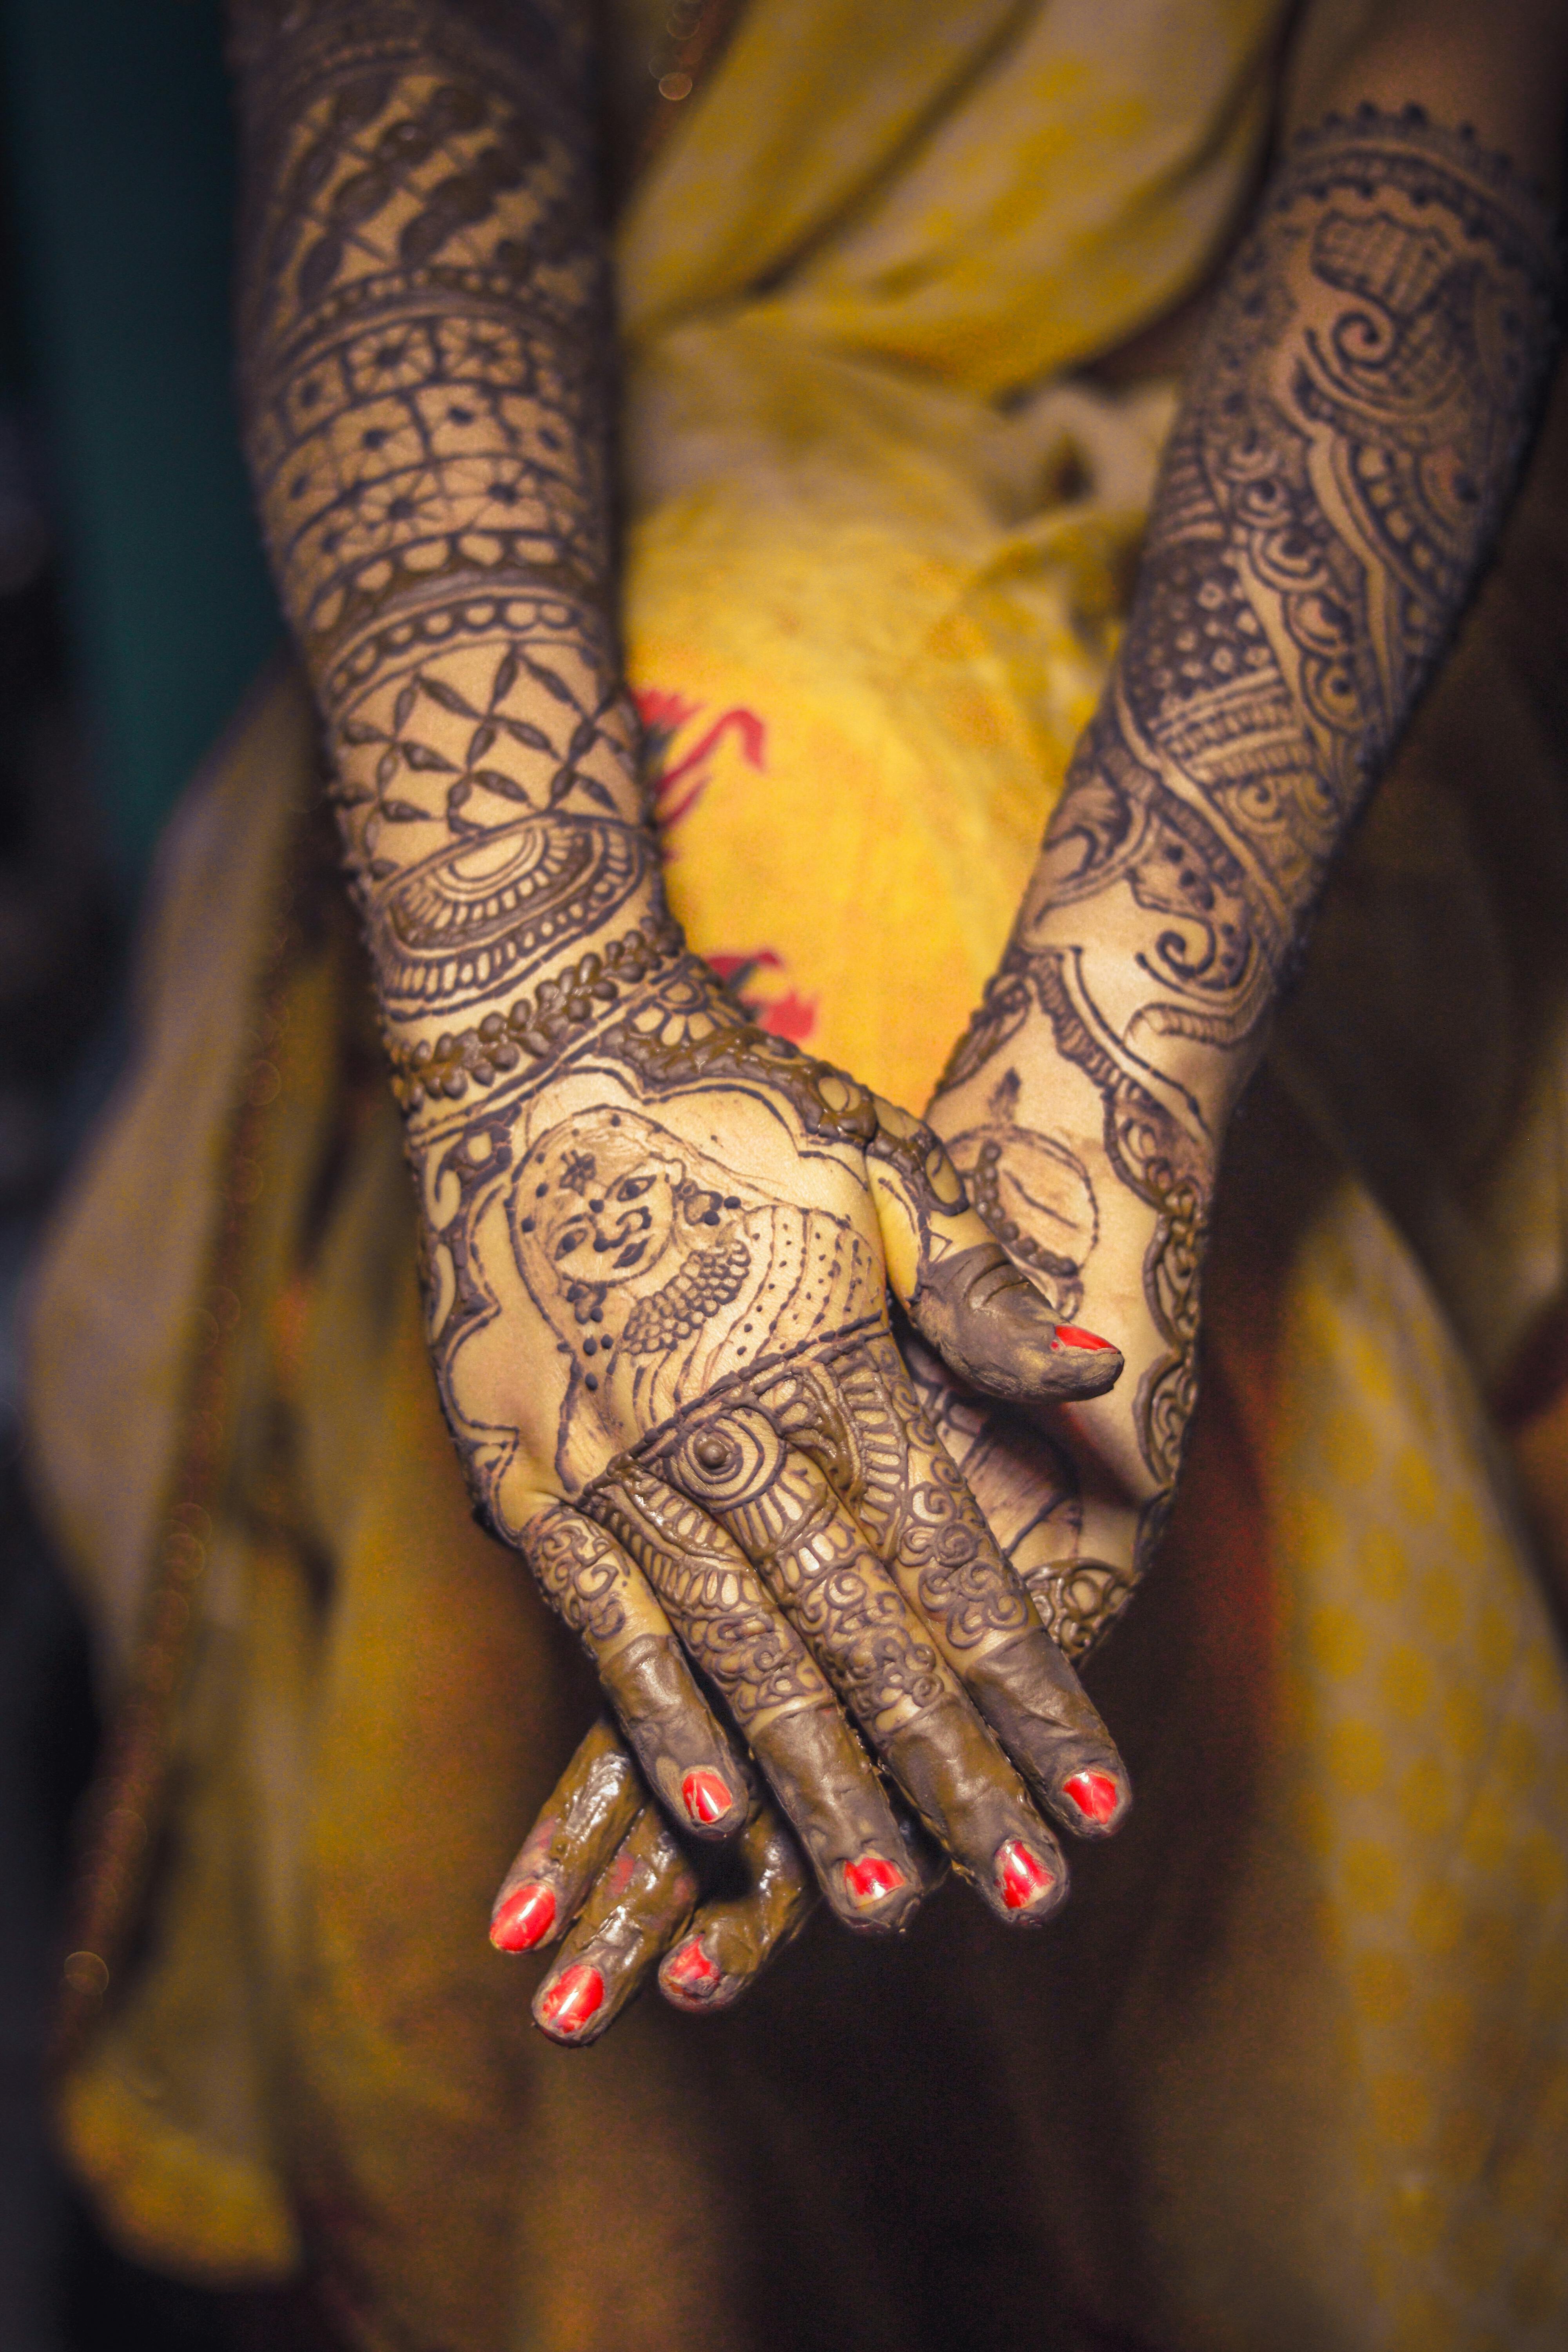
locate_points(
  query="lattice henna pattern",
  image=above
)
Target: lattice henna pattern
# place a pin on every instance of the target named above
(427, 341)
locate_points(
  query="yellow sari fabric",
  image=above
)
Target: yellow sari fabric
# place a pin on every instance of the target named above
(1293, 2070)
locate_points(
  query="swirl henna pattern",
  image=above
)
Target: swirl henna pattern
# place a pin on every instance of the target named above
(1354, 426)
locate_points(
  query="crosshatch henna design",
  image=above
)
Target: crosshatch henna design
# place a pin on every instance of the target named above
(1355, 426)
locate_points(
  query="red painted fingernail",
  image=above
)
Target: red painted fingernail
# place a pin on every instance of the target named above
(690, 1971)
(577, 1994)
(524, 1919)
(705, 1797)
(1069, 1335)
(1021, 1876)
(1095, 1794)
(867, 1880)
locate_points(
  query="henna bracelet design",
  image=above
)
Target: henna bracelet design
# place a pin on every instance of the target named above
(537, 1025)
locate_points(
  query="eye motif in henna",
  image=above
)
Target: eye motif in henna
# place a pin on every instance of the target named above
(767, 1456)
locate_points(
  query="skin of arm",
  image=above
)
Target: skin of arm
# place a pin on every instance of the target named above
(657, 1241)
(1360, 399)
(1361, 390)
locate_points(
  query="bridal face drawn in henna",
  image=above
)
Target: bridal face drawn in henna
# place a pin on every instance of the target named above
(650, 1259)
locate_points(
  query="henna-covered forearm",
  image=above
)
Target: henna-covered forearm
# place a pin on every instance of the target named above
(1352, 429)
(426, 357)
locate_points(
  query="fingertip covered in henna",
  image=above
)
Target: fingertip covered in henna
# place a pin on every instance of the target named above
(682, 1752)
(710, 1802)
(1029, 1884)
(871, 1879)
(874, 1895)
(566, 2006)
(692, 1979)
(985, 1318)
(524, 1918)
(1073, 1336)
(1099, 1802)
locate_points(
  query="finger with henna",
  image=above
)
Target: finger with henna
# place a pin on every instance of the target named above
(637, 1909)
(607, 1601)
(933, 1535)
(960, 1289)
(586, 1818)
(1045, 1721)
(731, 1939)
(874, 1877)
(820, 1774)
(896, 1685)
(986, 1319)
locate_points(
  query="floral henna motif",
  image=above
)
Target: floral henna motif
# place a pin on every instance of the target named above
(560, 1012)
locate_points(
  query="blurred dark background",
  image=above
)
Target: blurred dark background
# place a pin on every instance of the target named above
(134, 609)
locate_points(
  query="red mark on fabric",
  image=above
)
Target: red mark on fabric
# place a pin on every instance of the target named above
(676, 789)
(790, 1015)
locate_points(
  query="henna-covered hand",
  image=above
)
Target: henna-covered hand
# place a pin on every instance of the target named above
(657, 1269)
(1354, 426)
(658, 1242)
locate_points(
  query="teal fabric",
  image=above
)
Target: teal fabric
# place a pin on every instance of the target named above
(119, 149)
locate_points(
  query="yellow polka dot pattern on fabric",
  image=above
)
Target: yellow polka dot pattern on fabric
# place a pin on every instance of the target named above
(1432, 1774)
